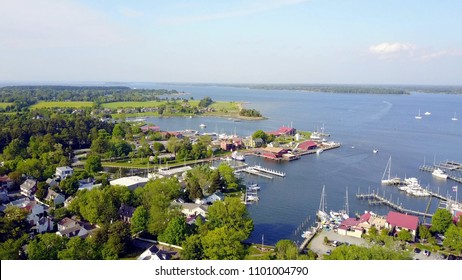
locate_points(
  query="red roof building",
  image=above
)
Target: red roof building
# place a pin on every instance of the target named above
(307, 145)
(152, 128)
(399, 221)
(283, 130)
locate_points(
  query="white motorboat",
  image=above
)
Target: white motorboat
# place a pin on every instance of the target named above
(427, 113)
(375, 151)
(438, 173)
(203, 125)
(237, 156)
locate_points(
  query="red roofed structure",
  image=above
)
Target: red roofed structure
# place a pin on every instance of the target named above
(307, 145)
(283, 130)
(399, 221)
(147, 128)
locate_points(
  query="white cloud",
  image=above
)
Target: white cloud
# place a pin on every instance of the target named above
(387, 51)
(392, 48)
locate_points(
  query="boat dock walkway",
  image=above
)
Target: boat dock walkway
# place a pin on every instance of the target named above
(374, 198)
(449, 167)
(252, 171)
(270, 171)
(310, 237)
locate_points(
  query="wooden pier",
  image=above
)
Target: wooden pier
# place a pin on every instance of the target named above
(374, 198)
(266, 170)
(252, 171)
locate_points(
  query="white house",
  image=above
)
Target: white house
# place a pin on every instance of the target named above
(64, 171)
(69, 227)
(28, 188)
(55, 197)
(192, 209)
(217, 196)
(88, 184)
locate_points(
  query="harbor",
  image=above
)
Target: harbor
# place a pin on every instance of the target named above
(450, 169)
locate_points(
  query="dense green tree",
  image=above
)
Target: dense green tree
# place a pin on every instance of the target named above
(205, 102)
(95, 206)
(404, 235)
(11, 249)
(16, 148)
(192, 248)
(176, 231)
(31, 167)
(158, 147)
(46, 247)
(173, 145)
(69, 186)
(227, 173)
(117, 242)
(260, 134)
(139, 220)
(286, 250)
(232, 214)
(424, 232)
(441, 220)
(93, 164)
(223, 243)
(193, 188)
(79, 249)
(375, 252)
(453, 238)
(13, 224)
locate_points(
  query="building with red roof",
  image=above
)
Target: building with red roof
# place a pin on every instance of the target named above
(153, 128)
(399, 221)
(307, 145)
(283, 130)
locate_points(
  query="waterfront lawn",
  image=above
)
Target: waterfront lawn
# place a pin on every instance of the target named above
(132, 104)
(226, 106)
(255, 252)
(62, 104)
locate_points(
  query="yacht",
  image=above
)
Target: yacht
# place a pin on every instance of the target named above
(237, 156)
(389, 180)
(427, 113)
(418, 117)
(438, 173)
(203, 125)
(413, 187)
(454, 118)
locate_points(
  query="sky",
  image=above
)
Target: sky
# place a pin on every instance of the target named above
(253, 41)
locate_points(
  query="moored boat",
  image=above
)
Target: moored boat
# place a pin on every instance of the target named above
(438, 173)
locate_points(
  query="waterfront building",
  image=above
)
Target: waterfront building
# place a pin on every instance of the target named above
(283, 130)
(399, 221)
(153, 128)
(307, 145)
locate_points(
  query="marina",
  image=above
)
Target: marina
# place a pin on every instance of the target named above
(452, 170)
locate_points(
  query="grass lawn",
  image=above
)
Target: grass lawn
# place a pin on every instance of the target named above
(5, 104)
(132, 104)
(62, 104)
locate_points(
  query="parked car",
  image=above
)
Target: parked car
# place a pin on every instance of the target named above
(328, 252)
(416, 250)
(451, 257)
(426, 253)
(443, 256)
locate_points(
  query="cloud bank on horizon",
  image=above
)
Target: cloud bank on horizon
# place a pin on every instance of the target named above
(256, 41)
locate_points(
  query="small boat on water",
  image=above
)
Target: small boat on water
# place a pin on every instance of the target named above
(454, 118)
(438, 173)
(237, 156)
(253, 187)
(203, 125)
(375, 151)
(418, 117)
(427, 113)
(389, 180)
(306, 234)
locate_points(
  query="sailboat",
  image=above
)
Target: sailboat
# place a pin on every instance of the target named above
(388, 180)
(322, 215)
(418, 116)
(454, 118)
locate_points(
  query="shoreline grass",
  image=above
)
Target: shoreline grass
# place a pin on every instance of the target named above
(62, 104)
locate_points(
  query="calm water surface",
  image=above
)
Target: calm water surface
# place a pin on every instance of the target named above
(361, 122)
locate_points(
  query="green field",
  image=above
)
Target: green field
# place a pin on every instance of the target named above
(62, 104)
(132, 104)
(5, 104)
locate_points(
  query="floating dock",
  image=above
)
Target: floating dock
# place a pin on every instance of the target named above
(374, 198)
(252, 171)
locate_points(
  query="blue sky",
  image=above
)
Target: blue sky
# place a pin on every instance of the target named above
(254, 41)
